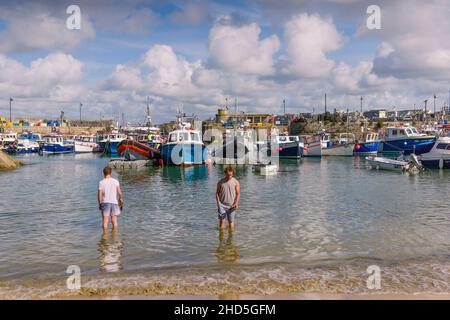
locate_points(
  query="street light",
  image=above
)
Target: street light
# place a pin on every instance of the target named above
(10, 103)
(434, 106)
(80, 111)
(425, 101)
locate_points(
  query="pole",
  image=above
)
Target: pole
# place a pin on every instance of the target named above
(284, 106)
(325, 103)
(434, 106)
(361, 103)
(10, 113)
(426, 109)
(80, 111)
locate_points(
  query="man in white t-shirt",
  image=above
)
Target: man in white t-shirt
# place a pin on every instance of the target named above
(109, 199)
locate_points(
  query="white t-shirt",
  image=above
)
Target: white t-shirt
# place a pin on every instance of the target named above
(109, 188)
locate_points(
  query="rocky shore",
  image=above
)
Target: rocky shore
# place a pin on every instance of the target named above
(7, 163)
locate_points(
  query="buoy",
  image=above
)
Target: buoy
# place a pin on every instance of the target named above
(357, 147)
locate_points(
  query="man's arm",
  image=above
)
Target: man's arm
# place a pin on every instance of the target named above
(100, 197)
(238, 195)
(119, 193)
(218, 192)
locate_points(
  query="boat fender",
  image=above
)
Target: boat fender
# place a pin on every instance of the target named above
(357, 147)
(441, 163)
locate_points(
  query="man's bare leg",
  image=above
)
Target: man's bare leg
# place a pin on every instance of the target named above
(105, 222)
(222, 224)
(231, 225)
(114, 222)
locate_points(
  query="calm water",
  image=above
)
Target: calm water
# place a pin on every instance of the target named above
(315, 227)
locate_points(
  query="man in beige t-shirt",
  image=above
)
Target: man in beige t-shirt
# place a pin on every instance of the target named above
(228, 193)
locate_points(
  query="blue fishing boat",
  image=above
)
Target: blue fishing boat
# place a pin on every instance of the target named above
(370, 146)
(406, 140)
(184, 147)
(289, 147)
(108, 142)
(55, 144)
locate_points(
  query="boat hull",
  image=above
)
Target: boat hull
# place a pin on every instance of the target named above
(290, 151)
(137, 150)
(407, 146)
(57, 148)
(436, 163)
(342, 150)
(109, 147)
(184, 154)
(81, 147)
(367, 147)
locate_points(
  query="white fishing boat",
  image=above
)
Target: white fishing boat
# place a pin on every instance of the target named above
(86, 144)
(312, 146)
(344, 147)
(439, 155)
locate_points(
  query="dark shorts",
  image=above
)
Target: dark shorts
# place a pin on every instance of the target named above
(110, 209)
(225, 211)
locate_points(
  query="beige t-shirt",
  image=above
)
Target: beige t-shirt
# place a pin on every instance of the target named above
(108, 187)
(227, 191)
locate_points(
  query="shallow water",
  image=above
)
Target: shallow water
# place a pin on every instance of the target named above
(315, 226)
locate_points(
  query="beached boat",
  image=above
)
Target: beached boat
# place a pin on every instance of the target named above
(86, 144)
(184, 147)
(411, 165)
(406, 140)
(289, 147)
(370, 146)
(311, 145)
(439, 155)
(55, 144)
(109, 142)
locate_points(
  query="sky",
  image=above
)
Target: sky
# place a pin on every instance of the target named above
(201, 55)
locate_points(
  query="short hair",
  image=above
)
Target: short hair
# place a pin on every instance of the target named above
(107, 171)
(229, 169)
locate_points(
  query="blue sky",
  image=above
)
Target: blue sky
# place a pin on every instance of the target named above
(195, 54)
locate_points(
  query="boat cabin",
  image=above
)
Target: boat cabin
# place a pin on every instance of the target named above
(53, 140)
(402, 132)
(286, 139)
(184, 136)
(371, 137)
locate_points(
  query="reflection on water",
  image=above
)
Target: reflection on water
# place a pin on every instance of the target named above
(110, 247)
(227, 251)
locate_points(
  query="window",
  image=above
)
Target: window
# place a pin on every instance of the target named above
(194, 136)
(173, 137)
(282, 139)
(414, 130)
(394, 132)
(408, 131)
(402, 132)
(442, 146)
(184, 136)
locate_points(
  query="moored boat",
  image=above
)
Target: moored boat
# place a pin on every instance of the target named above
(135, 150)
(439, 155)
(289, 147)
(406, 140)
(411, 165)
(86, 144)
(55, 144)
(184, 147)
(344, 148)
(109, 142)
(311, 146)
(370, 146)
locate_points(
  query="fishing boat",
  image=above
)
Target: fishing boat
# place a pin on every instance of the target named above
(238, 147)
(289, 147)
(407, 140)
(312, 146)
(411, 165)
(370, 146)
(55, 144)
(132, 149)
(26, 146)
(325, 140)
(344, 148)
(9, 138)
(184, 147)
(108, 142)
(86, 144)
(439, 155)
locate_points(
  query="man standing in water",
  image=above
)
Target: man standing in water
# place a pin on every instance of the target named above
(228, 194)
(109, 199)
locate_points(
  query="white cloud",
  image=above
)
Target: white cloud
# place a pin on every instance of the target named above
(308, 39)
(30, 27)
(238, 48)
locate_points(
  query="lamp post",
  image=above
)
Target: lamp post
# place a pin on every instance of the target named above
(80, 111)
(425, 101)
(361, 104)
(10, 113)
(434, 106)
